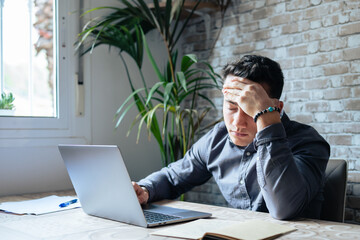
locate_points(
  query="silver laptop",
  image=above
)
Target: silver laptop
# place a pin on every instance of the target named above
(104, 188)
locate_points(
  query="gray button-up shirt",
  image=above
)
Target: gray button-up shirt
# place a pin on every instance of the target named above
(280, 172)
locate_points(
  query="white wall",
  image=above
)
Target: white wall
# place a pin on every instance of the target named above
(29, 159)
(109, 89)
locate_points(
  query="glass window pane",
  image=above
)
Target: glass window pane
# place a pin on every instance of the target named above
(28, 56)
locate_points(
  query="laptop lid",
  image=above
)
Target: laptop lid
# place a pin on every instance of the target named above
(104, 188)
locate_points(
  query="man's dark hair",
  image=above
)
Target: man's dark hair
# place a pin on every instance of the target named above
(258, 69)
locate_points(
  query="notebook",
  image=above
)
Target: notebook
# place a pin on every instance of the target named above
(103, 186)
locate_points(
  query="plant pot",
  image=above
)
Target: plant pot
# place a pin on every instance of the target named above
(7, 112)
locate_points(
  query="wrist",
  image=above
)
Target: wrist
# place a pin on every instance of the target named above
(267, 110)
(267, 117)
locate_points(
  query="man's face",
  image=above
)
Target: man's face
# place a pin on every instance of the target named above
(240, 126)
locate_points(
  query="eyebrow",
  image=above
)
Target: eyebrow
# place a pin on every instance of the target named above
(231, 102)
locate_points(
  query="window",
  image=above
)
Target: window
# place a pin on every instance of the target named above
(51, 117)
(30, 159)
(28, 64)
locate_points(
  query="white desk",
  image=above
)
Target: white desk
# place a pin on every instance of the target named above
(76, 225)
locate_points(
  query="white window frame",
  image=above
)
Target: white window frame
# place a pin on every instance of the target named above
(49, 127)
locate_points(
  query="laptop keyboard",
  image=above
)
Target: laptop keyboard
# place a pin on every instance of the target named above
(153, 217)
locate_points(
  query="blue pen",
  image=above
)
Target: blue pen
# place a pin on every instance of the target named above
(65, 204)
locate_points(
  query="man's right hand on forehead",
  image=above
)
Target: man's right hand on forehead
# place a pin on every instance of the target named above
(250, 96)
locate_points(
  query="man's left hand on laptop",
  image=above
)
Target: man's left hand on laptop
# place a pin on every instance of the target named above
(141, 193)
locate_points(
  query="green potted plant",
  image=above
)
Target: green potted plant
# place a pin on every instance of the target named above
(125, 28)
(7, 104)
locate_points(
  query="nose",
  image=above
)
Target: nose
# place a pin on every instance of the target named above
(240, 119)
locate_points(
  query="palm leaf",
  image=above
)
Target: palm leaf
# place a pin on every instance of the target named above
(187, 61)
(128, 99)
(136, 119)
(179, 33)
(167, 92)
(181, 77)
(153, 90)
(124, 28)
(151, 58)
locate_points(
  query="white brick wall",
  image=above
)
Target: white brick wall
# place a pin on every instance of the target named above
(317, 43)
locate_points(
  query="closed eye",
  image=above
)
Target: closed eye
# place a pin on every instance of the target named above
(231, 105)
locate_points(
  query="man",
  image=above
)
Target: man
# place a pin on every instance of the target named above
(260, 159)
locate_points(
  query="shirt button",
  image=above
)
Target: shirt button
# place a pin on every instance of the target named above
(241, 181)
(248, 153)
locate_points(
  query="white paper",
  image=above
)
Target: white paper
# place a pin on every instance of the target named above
(39, 206)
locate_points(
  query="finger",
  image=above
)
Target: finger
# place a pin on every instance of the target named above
(245, 81)
(237, 82)
(135, 185)
(229, 96)
(141, 199)
(137, 188)
(231, 91)
(140, 193)
(234, 85)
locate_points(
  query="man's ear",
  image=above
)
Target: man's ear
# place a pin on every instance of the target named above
(281, 105)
